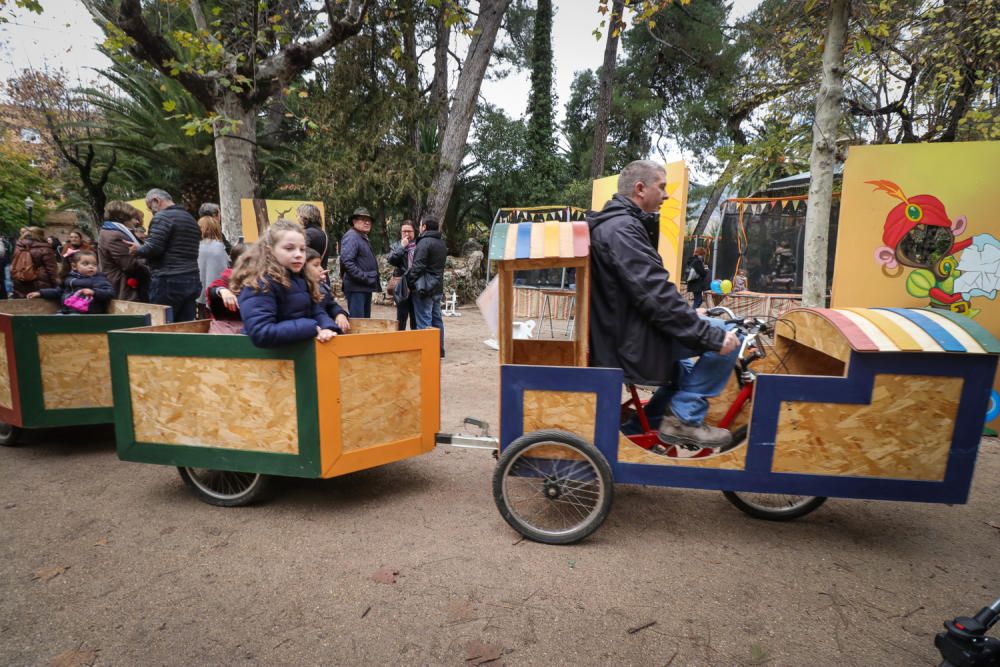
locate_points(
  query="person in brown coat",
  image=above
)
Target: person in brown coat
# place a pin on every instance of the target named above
(127, 273)
(44, 263)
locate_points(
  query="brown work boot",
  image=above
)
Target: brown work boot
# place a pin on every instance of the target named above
(675, 432)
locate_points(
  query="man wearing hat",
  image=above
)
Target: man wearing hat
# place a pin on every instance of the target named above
(358, 266)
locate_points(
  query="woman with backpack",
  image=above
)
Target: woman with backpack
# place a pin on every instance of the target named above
(35, 265)
(696, 276)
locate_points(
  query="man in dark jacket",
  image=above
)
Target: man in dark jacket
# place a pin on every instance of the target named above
(640, 323)
(426, 277)
(171, 251)
(358, 266)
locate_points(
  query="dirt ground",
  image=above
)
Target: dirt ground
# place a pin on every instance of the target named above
(118, 564)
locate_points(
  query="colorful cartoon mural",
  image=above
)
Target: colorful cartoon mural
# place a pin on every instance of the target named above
(928, 214)
(919, 234)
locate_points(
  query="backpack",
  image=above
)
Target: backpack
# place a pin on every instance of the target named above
(22, 269)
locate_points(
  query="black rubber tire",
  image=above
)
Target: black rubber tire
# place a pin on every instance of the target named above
(10, 435)
(792, 510)
(224, 488)
(595, 470)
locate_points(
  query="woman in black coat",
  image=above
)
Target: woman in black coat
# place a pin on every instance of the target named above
(696, 276)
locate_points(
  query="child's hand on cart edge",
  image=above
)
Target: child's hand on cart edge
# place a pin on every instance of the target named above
(343, 322)
(323, 335)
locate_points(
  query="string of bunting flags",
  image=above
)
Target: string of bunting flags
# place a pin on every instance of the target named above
(759, 205)
(540, 214)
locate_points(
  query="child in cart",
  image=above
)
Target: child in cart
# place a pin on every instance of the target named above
(330, 305)
(85, 289)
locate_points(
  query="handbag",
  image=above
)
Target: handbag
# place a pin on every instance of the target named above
(390, 287)
(400, 291)
(691, 275)
(78, 302)
(427, 284)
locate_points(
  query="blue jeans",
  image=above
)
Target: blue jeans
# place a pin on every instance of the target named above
(359, 304)
(179, 292)
(695, 382)
(427, 313)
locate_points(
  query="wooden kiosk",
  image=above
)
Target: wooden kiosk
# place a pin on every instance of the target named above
(230, 414)
(54, 369)
(542, 245)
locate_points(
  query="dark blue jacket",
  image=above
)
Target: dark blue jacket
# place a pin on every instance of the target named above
(103, 292)
(171, 249)
(329, 304)
(282, 315)
(358, 266)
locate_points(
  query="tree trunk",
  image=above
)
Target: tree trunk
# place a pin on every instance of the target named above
(456, 133)
(824, 150)
(604, 86)
(721, 183)
(439, 85)
(236, 160)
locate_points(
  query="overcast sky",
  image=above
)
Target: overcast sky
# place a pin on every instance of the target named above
(65, 36)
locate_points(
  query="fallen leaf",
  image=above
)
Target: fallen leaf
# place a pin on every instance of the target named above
(479, 653)
(993, 524)
(385, 575)
(459, 611)
(10, 506)
(103, 542)
(49, 573)
(74, 658)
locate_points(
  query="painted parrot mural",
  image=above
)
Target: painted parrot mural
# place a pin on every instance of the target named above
(919, 234)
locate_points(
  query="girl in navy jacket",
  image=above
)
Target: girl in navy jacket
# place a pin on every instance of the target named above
(280, 303)
(85, 279)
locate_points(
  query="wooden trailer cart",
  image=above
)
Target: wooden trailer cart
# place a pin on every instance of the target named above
(54, 369)
(857, 403)
(229, 415)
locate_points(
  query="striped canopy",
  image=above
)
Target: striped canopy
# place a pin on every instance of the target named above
(539, 240)
(909, 330)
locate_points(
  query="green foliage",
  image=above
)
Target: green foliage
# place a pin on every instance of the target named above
(20, 180)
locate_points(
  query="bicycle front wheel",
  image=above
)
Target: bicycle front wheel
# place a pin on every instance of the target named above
(553, 487)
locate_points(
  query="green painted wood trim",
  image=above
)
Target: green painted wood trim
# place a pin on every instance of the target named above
(26, 329)
(303, 355)
(498, 243)
(978, 332)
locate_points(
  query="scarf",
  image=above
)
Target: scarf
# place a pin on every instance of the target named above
(119, 227)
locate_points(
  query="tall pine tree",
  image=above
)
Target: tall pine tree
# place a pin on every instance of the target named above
(545, 169)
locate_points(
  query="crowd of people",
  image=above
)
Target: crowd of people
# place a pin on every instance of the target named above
(276, 290)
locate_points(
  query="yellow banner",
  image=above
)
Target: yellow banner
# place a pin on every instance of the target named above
(258, 214)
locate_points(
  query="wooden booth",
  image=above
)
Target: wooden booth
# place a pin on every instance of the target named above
(54, 369)
(187, 398)
(882, 403)
(527, 246)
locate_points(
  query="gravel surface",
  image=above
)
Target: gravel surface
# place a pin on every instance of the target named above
(112, 563)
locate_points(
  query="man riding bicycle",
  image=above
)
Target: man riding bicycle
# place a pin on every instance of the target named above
(640, 323)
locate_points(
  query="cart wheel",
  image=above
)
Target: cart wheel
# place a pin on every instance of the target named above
(771, 506)
(10, 435)
(225, 488)
(553, 487)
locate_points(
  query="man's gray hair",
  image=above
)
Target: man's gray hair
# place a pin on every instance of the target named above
(208, 209)
(640, 171)
(157, 193)
(309, 215)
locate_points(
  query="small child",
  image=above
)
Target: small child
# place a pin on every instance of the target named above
(222, 303)
(83, 280)
(333, 309)
(280, 302)
(740, 283)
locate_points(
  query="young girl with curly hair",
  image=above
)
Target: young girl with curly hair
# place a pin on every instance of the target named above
(280, 302)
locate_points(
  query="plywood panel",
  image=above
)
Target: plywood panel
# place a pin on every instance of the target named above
(905, 433)
(75, 370)
(380, 399)
(28, 307)
(810, 329)
(544, 352)
(371, 325)
(6, 399)
(629, 452)
(157, 314)
(195, 326)
(243, 404)
(572, 411)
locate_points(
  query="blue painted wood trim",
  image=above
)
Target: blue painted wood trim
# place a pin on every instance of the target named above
(948, 342)
(523, 248)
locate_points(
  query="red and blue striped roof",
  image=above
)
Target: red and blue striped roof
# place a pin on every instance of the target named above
(540, 240)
